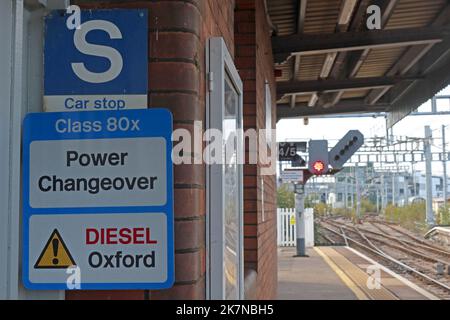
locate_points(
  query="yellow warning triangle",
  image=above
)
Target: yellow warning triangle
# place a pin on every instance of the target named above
(292, 220)
(55, 254)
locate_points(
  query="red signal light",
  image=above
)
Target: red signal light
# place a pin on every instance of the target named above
(319, 168)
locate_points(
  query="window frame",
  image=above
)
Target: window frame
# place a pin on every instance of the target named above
(219, 65)
(22, 29)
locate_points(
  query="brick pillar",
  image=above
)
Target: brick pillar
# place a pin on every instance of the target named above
(255, 64)
(174, 83)
(245, 41)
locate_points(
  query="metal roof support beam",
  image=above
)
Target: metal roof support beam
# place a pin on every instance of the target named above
(345, 107)
(313, 100)
(329, 85)
(301, 15)
(338, 70)
(285, 46)
(345, 15)
(300, 24)
(389, 6)
(293, 100)
(410, 57)
(409, 96)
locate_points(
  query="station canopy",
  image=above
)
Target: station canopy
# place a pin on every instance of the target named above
(329, 62)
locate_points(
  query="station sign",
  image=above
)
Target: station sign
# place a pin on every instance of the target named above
(101, 65)
(292, 176)
(98, 199)
(287, 151)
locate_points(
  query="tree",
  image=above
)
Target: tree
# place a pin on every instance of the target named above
(285, 198)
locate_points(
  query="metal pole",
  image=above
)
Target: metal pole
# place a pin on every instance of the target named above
(280, 168)
(352, 191)
(378, 200)
(335, 193)
(405, 190)
(385, 199)
(386, 195)
(414, 179)
(444, 165)
(393, 188)
(300, 219)
(358, 193)
(345, 192)
(429, 179)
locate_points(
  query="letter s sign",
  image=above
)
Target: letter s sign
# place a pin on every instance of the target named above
(114, 56)
(106, 59)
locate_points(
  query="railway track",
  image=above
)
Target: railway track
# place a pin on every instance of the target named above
(417, 244)
(419, 251)
(412, 257)
(407, 235)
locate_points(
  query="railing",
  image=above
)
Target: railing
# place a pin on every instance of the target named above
(286, 234)
(286, 230)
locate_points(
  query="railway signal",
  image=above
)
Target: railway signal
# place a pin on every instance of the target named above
(345, 149)
(318, 157)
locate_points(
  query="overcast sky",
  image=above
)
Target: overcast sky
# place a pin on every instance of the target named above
(334, 129)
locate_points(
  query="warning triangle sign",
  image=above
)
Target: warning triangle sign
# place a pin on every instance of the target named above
(55, 254)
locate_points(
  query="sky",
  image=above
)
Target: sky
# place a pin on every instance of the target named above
(334, 129)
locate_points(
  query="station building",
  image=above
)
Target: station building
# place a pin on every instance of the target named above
(194, 46)
(230, 64)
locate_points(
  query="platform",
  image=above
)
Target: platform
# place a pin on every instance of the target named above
(340, 273)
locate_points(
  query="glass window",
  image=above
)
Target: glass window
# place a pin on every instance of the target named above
(231, 186)
(225, 180)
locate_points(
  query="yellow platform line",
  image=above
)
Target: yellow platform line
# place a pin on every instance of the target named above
(359, 276)
(344, 278)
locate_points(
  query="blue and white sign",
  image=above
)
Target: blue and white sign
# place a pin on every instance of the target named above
(98, 200)
(102, 65)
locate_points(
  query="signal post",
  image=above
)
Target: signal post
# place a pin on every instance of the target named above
(320, 162)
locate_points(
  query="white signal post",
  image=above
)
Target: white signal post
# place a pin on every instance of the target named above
(300, 220)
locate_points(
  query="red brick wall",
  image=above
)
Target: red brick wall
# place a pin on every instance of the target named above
(245, 38)
(178, 33)
(267, 233)
(175, 82)
(255, 63)
(218, 21)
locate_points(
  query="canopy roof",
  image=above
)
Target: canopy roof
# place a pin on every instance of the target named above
(329, 62)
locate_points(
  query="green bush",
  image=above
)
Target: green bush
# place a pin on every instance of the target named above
(444, 216)
(285, 198)
(411, 216)
(311, 200)
(321, 209)
(367, 206)
(346, 212)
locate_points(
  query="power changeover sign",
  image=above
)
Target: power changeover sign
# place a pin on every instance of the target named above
(97, 200)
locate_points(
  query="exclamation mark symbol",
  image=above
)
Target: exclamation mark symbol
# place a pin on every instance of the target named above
(55, 245)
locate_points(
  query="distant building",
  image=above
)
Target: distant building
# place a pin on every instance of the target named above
(380, 187)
